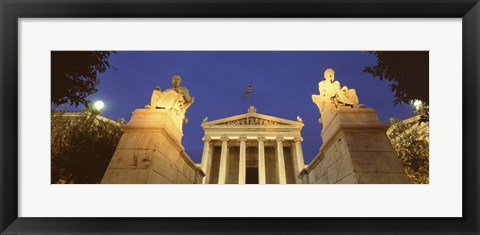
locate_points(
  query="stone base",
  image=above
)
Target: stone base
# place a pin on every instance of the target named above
(355, 150)
(150, 152)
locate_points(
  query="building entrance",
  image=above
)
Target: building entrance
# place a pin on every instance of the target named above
(252, 175)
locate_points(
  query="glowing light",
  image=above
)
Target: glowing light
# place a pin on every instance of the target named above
(417, 103)
(99, 105)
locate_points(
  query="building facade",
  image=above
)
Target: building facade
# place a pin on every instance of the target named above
(252, 148)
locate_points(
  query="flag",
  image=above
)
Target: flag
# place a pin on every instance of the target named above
(247, 91)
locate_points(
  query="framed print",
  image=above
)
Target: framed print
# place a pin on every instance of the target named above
(239, 117)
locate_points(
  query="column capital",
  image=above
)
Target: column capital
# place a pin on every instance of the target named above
(261, 139)
(279, 139)
(242, 139)
(298, 139)
(206, 138)
(224, 139)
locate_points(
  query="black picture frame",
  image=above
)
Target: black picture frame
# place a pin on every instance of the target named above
(11, 11)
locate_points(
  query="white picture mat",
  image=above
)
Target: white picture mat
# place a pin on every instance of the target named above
(441, 198)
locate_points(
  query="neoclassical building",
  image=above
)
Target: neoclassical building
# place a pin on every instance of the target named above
(252, 148)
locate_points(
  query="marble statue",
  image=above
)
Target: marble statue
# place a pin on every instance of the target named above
(176, 100)
(332, 97)
(157, 93)
(176, 81)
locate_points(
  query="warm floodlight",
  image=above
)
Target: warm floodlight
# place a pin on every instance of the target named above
(417, 104)
(99, 105)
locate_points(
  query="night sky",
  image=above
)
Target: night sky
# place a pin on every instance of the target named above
(283, 82)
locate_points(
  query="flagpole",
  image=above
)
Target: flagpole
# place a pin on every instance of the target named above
(247, 92)
(251, 98)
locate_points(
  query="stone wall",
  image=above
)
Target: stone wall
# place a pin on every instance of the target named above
(150, 152)
(355, 150)
(332, 167)
(232, 165)
(271, 165)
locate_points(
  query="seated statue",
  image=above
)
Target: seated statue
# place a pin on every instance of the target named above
(176, 81)
(350, 97)
(176, 100)
(332, 96)
(157, 93)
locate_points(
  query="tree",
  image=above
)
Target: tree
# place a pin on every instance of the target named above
(410, 139)
(408, 70)
(74, 75)
(82, 145)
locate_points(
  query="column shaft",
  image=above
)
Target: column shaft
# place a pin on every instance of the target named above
(205, 160)
(262, 176)
(242, 165)
(222, 175)
(299, 157)
(282, 178)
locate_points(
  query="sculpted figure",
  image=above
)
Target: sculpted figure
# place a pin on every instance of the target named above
(176, 81)
(157, 93)
(332, 96)
(176, 100)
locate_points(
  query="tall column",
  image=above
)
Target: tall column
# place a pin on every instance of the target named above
(282, 178)
(262, 176)
(222, 175)
(299, 162)
(242, 165)
(206, 159)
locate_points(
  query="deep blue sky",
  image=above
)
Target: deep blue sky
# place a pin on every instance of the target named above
(283, 82)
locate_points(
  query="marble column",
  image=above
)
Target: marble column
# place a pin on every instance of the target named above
(242, 165)
(222, 175)
(206, 159)
(299, 162)
(282, 178)
(262, 176)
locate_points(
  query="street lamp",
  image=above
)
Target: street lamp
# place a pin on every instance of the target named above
(98, 105)
(417, 104)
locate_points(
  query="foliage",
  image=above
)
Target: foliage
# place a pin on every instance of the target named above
(423, 111)
(74, 75)
(81, 147)
(411, 142)
(408, 70)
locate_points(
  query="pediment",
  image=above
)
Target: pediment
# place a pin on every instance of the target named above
(253, 119)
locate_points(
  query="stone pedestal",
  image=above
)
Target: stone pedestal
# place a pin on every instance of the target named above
(150, 152)
(355, 150)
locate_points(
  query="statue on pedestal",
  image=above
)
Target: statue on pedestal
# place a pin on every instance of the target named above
(332, 97)
(176, 100)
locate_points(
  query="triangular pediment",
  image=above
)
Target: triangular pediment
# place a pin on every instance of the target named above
(252, 119)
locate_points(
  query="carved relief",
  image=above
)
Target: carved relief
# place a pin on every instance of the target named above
(252, 121)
